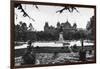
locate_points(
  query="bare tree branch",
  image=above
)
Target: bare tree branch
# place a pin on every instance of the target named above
(22, 10)
(69, 8)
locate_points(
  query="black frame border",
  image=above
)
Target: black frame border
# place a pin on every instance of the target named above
(43, 3)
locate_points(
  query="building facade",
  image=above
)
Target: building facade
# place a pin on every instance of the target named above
(66, 27)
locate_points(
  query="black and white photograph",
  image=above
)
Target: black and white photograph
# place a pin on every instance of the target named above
(50, 34)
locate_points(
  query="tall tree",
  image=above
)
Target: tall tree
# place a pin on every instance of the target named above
(90, 27)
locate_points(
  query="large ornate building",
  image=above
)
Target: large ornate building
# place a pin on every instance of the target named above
(49, 29)
(66, 27)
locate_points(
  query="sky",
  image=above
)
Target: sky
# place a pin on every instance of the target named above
(47, 13)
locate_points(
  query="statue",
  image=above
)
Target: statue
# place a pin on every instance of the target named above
(61, 34)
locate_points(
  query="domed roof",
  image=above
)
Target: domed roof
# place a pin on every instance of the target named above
(67, 23)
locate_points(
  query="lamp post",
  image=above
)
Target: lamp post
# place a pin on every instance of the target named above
(82, 52)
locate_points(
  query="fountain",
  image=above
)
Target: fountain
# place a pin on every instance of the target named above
(61, 39)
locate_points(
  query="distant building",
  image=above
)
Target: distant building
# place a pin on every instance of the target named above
(58, 25)
(66, 27)
(49, 29)
(30, 28)
(46, 27)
